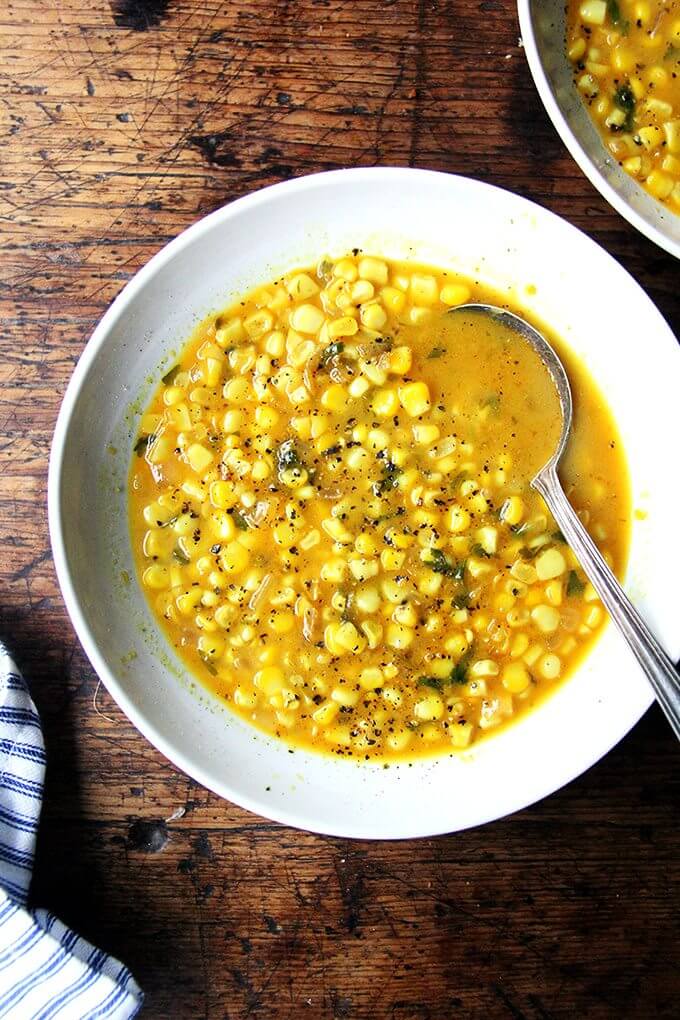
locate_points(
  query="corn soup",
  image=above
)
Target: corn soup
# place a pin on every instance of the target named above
(626, 55)
(332, 519)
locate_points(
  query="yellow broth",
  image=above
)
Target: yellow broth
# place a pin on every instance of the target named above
(626, 57)
(332, 520)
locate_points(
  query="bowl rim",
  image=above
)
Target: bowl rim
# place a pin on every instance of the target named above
(570, 140)
(142, 721)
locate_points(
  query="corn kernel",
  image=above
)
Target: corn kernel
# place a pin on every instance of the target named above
(392, 559)
(393, 299)
(550, 667)
(334, 397)
(399, 636)
(546, 618)
(512, 510)
(345, 326)
(199, 457)
(307, 318)
(373, 316)
(515, 677)
(234, 558)
(156, 576)
(374, 270)
(457, 519)
(429, 708)
(333, 570)
(549, 564)
(415, 398)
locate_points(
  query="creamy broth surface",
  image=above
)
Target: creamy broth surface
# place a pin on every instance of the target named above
(332, 518)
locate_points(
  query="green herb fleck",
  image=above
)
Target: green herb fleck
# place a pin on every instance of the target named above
(436, 352)
(460, 671)
(558, 536)
(520, 529)
(614, 12)
(332, 351)
(208, 664)
(142, 445)
(458, 479)
(325, 268)
(169, 377)
(479, 550)
(430, 681)
(575, 586)
(625, 100)
(461, 600)
(441, 564)
(287, 456)
(390, 478)
(239, 520)
(492, 401)
(179, 555)
(399, 512)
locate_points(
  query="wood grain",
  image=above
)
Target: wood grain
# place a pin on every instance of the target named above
(121, 123)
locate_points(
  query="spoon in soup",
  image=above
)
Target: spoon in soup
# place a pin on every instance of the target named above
(657, 666)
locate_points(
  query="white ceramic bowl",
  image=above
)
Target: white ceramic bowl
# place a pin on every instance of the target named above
(452, 222)
(542, 25)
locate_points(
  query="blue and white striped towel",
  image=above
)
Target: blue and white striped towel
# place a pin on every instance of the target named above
(46, 970)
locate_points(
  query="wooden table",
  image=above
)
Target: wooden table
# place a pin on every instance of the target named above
(121, 124)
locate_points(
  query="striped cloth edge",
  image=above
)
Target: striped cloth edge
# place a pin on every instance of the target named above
(46, 970)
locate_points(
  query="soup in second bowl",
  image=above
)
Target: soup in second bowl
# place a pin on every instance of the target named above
(332, 517)
(626, 55)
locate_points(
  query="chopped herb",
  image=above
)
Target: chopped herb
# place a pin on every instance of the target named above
(389, 480)
(530, 554)
(441, 564)
(460, 601)
(520, 529)
(430, 681)
(614, 12)
(169, 377)
(459, 671)
(493, 401)
(332, 351)
(672, 53)
(179, 555)
(558, 536)
(142, 445)
(239, 520)
(575, 586)
(325, 269)
(288, 459)
(348, 612)
(458, 479)
(208, 664)
(458, 675)
(479, 550)
(387, 517)
(436, 352)
(625, 100)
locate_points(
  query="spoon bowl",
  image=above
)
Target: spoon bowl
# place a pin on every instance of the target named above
(656, 664)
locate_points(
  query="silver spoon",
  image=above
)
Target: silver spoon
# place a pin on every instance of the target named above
(657, 666)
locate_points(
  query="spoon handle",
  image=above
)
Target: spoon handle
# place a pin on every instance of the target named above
(658, 667)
